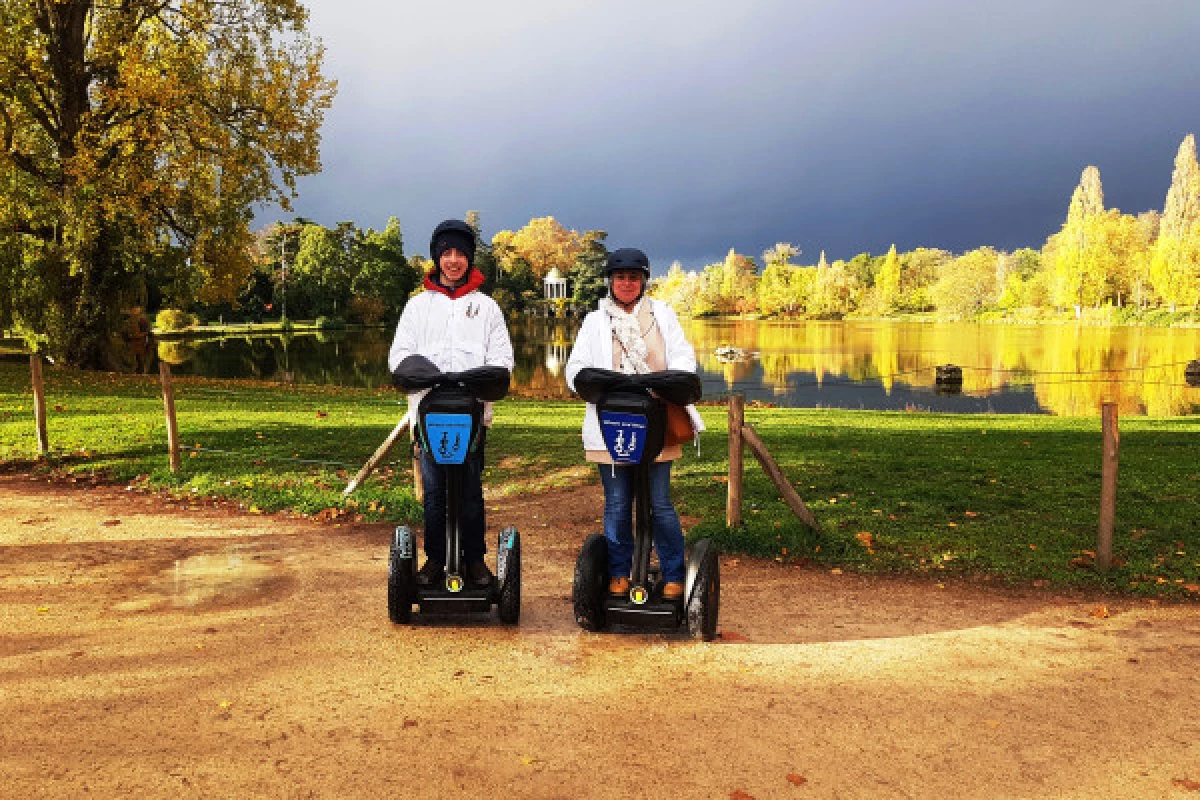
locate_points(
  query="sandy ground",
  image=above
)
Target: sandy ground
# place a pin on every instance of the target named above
(150, 649)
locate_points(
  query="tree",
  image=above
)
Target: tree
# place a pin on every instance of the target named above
(968, 283)
(887, 282)
(775, 287)
(384, 278)
(134, 130)
(543, 244)
(1174, 269)
(586, 276)
(1080, 256)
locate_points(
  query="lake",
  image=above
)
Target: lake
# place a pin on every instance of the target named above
(1064, 369)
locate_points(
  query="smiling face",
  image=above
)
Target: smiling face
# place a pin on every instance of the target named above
(454, 266)
(626, 286)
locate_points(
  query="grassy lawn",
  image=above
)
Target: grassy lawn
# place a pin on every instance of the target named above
(1009, 498)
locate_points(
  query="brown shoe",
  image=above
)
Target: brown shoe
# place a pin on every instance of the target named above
(672, 590)
(618, 586)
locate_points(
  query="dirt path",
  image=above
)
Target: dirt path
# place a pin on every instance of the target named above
(149, 650)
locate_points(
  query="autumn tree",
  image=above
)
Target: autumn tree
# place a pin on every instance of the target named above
(140, 130)
(968, 283)
(887, 282)
(776, 294)
(543, 244)
(1174, 267)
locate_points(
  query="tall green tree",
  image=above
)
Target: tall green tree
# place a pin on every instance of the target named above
(586, 276)
(135, 128)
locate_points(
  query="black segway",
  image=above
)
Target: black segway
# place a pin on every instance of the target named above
(633, 422)
(448, 423)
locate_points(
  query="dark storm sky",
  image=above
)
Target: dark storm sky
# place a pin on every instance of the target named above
(689, 128)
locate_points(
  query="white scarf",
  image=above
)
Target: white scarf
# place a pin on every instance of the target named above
(629, 333)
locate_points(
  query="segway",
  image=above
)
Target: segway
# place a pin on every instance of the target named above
(448, 423)
(633, 421)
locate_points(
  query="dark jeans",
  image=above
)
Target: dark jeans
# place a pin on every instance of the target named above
(664, 521)
(471, 524)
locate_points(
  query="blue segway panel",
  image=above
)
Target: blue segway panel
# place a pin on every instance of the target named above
(624, 436)
(449, 437)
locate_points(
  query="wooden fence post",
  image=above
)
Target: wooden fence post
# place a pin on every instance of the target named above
(164, 372)
(39, 403)
(1108, 486)
(733, 501)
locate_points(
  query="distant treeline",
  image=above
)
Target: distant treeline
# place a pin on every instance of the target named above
(1122, 264)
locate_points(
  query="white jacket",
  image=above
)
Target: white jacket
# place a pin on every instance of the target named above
(456, 335)
(594, 348)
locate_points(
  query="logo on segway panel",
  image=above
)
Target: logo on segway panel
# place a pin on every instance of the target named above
(454, 583)
(449, 435)
(639, 595)
(624, 436)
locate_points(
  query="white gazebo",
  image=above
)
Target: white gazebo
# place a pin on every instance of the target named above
(554, 285)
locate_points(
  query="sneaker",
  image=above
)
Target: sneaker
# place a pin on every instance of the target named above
(479, 575)
(618, 587)
(431, 573)
(672, 590)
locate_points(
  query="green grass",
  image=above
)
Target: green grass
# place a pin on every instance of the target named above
(1010, 498)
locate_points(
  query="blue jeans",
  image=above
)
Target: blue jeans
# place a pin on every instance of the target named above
(471, 522)
(618, 520)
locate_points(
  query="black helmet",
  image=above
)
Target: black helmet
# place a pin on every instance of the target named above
(452, 233)
(627, 258)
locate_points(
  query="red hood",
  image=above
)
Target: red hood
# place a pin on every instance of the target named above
(474, 281)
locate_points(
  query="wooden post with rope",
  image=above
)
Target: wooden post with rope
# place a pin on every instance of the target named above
(733, 499)
(1108, 485)
(39, 403)
(164, 373)
(741, 434)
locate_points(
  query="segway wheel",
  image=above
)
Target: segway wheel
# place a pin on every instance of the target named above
(508, 604)
(402, 576)
(703, 591)
(591, 583)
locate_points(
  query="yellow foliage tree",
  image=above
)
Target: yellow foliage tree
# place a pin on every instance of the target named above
(137, 127)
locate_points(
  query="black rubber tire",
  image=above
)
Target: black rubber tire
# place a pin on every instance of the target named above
(590, 586)
(402, 582)
(508, 605)
(704, 602)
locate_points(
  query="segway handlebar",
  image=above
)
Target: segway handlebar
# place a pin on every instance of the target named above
(418, 372)
(673, 385)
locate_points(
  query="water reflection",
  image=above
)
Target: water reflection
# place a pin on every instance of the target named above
(1059, 369)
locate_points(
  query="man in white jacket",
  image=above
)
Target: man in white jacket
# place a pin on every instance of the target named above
(457, 327)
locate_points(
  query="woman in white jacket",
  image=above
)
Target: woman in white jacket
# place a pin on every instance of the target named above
(634, 334)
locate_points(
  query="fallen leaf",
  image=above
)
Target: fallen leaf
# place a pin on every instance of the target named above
(225, 704)
(738, 794)
(322, 415)
(835, 571)
(1192, 587)
(796, 780)
(1184, 783)
(1100, 612)
(410, 723)
(43, 609)
(110, 522)
(970, 513)
(865, 539)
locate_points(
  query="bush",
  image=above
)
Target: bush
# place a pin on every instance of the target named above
(171, 319)
(330, 323)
